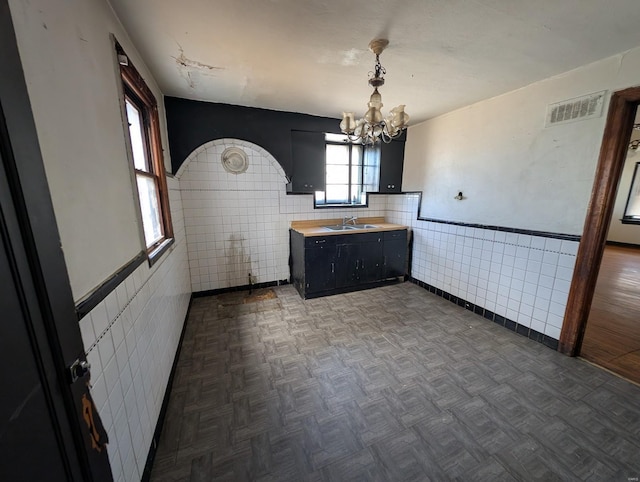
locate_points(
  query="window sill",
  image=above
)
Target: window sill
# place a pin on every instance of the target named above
(156, 253)
(630, 221)
(344, 206)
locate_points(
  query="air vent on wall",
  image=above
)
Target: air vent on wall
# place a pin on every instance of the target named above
(576, 109)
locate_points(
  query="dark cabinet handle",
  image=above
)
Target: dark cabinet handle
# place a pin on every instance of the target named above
(321, 241)
(333, 266)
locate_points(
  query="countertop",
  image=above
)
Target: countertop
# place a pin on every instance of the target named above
(315, 227)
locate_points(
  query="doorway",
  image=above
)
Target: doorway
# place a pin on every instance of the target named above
(585, 292)
(612, 334)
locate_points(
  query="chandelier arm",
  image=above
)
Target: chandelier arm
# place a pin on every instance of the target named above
(386, 137)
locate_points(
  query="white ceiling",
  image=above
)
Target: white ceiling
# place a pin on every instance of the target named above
(311, 56)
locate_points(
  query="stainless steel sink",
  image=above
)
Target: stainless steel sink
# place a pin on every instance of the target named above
(349, 227)
(340, 227)
(364, 226)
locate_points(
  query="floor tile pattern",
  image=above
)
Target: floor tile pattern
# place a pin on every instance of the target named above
(389, 384)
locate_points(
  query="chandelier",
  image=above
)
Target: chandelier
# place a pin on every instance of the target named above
(373, 126)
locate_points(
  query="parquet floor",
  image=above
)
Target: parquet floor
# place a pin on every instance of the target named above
(389, 384)
(612, 336)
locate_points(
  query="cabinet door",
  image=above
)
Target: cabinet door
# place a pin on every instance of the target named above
(308, 156)
(370, 261)
(347, 265)
(395, 254)
(319, 268)
(391, 165)
(359, 261)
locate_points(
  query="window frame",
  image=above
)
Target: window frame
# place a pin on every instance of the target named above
(350, 185)
(635, 187)
(136, 90)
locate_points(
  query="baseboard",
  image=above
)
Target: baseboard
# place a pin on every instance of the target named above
(623, 245)
(219, 291)
(490, 315)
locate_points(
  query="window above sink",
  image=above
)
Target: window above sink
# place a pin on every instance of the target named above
(351, 171)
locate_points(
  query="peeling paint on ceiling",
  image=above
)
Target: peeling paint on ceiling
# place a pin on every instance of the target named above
(312, 57)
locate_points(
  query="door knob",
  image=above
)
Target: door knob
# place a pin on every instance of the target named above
(79, 369)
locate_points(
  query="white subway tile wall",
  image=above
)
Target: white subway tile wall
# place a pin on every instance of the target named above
(237, 225)
(131, 338)
(521, 277)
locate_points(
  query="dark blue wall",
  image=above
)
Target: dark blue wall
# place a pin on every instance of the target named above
(191, 123)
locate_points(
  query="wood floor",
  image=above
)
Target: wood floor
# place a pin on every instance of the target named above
(390, 384)
(612, 336)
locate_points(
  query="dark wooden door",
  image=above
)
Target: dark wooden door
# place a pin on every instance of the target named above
(48, 428)
(29, 445)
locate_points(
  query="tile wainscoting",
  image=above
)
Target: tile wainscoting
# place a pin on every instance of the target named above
(238, 224)
(522, 278)
(131, 338)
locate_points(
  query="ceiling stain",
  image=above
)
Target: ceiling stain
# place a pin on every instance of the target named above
(194, 64)
(189, 69)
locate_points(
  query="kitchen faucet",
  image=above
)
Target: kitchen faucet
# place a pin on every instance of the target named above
(349, 219)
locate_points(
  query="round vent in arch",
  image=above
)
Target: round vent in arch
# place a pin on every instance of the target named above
(234, 160)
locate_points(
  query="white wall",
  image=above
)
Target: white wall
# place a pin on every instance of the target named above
(238, 224)
(514, 171)
(73, 79)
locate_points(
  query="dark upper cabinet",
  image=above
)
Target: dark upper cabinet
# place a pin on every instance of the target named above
(308, 156)
(391, 164)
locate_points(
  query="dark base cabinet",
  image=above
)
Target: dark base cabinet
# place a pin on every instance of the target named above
(394, 254)
(325, 265)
